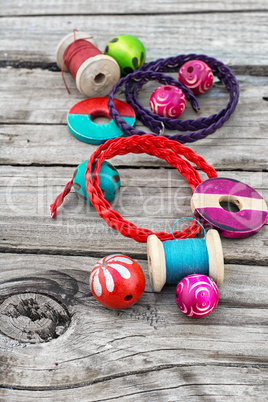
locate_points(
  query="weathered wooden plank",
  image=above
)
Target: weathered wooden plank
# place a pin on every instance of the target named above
(169, 384)
(217, 36)
(84, 235)
(104, 7)
(230, 148)
(45, 100)
(247, 290)
(26, 195)
(37, 104)
(54, 145)
(148, 349)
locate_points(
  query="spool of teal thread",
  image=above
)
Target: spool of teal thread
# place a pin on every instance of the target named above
(171, 261)
(185, 257)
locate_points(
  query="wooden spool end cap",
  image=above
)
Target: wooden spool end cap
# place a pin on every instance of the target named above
(215, 255)
(156, 263)
(66, 41)
(97, 76)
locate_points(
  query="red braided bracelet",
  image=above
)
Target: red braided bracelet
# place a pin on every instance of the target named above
(160, 147)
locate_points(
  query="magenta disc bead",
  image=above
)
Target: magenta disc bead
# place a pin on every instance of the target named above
(252, 209)
(197, 295)
(196, 76)
(168, 101)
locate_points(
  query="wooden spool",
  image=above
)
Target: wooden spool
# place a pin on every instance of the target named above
(157, 260)
(97, 75)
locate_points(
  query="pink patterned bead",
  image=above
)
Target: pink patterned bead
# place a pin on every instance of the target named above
(196, 76)
(197, 295)
(168, 101)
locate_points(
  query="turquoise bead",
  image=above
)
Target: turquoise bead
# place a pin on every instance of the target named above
(109, 181)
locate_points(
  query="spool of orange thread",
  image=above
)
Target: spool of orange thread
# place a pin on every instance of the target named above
(94, 72)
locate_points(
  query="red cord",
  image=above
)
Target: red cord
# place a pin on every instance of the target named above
(160, 147)
(59, 199)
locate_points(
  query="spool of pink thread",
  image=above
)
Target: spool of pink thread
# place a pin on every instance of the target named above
(197, 295)
(168, 101)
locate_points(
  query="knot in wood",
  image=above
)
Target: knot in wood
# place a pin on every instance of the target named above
(33, 318)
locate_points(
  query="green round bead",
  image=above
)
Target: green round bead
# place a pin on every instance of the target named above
(109, 181)
(128, 51)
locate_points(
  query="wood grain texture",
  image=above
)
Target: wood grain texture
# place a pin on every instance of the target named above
(179, 347)
(236, 39)
(83, 7)
(26, 195)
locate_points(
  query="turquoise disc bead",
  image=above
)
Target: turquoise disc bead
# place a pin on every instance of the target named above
(81, 117)
(109, 181)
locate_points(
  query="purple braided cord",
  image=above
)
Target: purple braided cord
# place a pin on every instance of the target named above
(198, 128)
(184, 125)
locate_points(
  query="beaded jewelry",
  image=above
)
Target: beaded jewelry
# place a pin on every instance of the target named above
(198, 128)
(158, 146)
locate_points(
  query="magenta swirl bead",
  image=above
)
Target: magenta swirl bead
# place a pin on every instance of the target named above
(168, 101)
(196, 76)
(197, 295)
